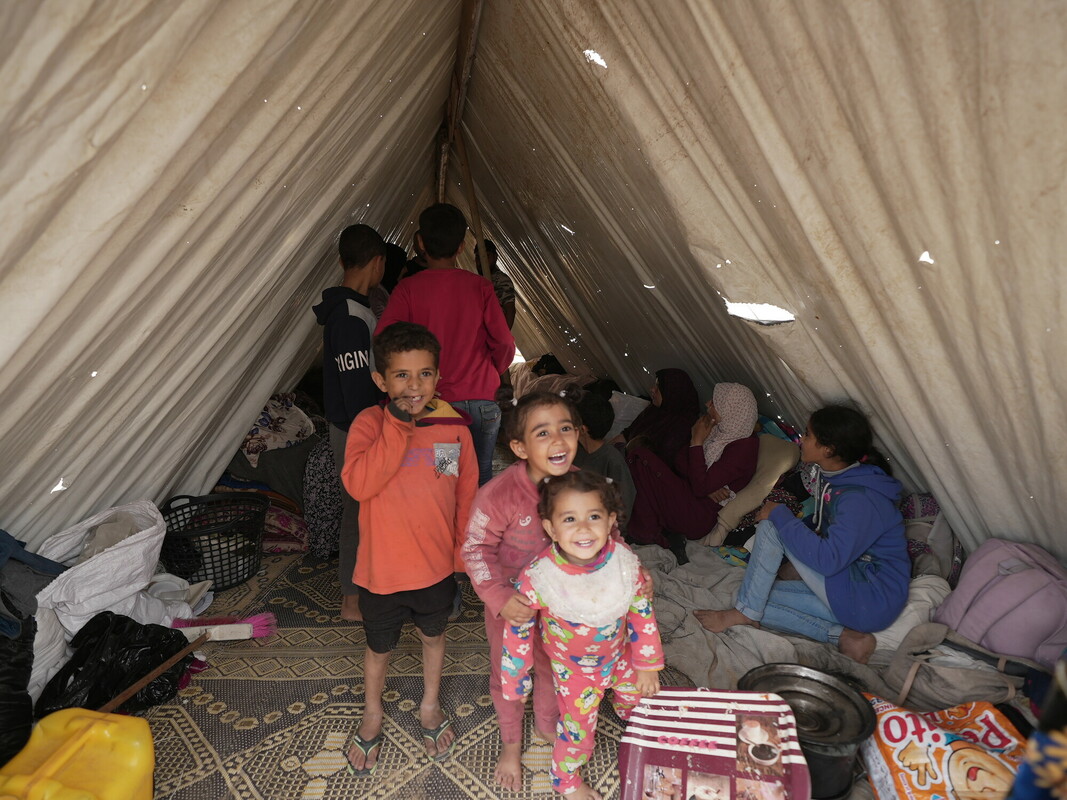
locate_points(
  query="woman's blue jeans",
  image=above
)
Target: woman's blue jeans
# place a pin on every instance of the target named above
(790, 606)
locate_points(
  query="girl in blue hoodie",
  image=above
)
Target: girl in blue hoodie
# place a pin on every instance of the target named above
(851, 554)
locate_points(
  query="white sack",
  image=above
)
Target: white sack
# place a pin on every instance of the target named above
(925, 594)
(113, 579)
(50, 650)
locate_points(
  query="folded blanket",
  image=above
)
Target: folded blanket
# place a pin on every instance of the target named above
(718, 660)
(280, 424)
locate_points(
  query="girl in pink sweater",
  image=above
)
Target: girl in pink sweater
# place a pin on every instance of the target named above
(503, 536)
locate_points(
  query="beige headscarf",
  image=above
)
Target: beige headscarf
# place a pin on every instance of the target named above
(737, 418)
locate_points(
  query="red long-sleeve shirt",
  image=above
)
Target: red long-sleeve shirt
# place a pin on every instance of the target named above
(462, 311)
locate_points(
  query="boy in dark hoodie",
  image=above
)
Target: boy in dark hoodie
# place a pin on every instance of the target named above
(347, 364)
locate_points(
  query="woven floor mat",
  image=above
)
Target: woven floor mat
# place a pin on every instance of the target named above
(270, 717)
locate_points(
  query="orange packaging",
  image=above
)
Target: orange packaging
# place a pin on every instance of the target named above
(967, 751)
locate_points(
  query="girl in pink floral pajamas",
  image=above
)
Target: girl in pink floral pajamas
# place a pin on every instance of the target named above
(597, 624)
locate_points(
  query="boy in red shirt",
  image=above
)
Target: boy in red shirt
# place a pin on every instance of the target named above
(411, 466)
(463, 312)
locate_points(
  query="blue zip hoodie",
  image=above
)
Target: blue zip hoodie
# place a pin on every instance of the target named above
(856, 539)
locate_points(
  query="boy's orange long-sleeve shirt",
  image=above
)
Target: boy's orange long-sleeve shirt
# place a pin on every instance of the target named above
(415, 482)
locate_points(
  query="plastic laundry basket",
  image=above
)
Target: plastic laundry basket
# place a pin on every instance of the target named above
(216, 537)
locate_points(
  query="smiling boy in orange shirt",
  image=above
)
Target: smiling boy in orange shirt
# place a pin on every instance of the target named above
(411, 466)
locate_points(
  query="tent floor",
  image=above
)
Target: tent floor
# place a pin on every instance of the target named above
(269, 718)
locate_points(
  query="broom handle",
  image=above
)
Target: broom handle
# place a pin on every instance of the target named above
(125, 695)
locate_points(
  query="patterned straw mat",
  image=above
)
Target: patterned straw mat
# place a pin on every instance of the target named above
(269, 718)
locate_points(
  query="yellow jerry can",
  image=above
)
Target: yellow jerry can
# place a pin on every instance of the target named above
(76, 754)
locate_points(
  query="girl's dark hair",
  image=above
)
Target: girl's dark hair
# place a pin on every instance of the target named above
(847, 432)
(533, 401)
(583, 481)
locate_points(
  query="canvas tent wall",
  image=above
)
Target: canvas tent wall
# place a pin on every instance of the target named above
(173, 175)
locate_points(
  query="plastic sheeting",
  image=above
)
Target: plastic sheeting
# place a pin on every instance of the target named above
(173, 176)
(173, 179)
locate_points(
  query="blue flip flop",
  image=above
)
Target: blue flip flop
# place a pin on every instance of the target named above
(366, 746)
(434, 734)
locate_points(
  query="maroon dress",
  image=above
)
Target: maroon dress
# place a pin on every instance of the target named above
(666, 427)
(677, 500)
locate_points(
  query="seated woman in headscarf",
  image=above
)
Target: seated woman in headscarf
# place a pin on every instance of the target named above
(683, 503)
(664, 426)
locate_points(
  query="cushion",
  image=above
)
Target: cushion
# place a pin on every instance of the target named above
(776, 457)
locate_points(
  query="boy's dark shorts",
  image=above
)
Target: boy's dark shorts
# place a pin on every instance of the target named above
(385, 614)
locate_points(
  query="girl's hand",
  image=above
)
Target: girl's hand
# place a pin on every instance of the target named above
(647, 682)
(720, 494)
(701, 428)
(646, 588)
(765, 511)
(516, 610)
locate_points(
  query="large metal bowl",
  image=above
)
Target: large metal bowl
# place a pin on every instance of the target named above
(827, 709)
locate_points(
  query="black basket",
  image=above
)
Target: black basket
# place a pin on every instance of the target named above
(217, 537)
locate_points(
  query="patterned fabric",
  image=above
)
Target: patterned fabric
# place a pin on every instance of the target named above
(777, 495)
(280, 424)
(736, 406)
(272, 717)
(322, 500)
(586, 660)
(284, 532)
(1043, 775)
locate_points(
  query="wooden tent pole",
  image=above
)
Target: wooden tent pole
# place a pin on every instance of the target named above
(472, 197)
(470, 20)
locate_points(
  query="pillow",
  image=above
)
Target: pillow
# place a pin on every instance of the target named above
(925, 593)
(776, 457)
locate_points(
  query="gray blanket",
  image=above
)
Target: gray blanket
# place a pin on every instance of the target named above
(718, 660)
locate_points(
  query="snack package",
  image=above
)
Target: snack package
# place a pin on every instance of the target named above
(967, 751)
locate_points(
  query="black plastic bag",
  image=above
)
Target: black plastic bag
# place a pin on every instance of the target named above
(111, 653)
(16, 707)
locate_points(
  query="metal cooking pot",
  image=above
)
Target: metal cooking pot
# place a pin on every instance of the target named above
(832, 720)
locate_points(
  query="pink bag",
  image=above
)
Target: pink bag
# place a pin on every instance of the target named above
(1012, 599)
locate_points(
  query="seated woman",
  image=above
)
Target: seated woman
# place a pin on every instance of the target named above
(851, 554)
(663, 427)
(672, 506)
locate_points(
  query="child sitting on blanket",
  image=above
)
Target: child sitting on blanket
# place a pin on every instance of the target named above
(597, 623)
(851, 555)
